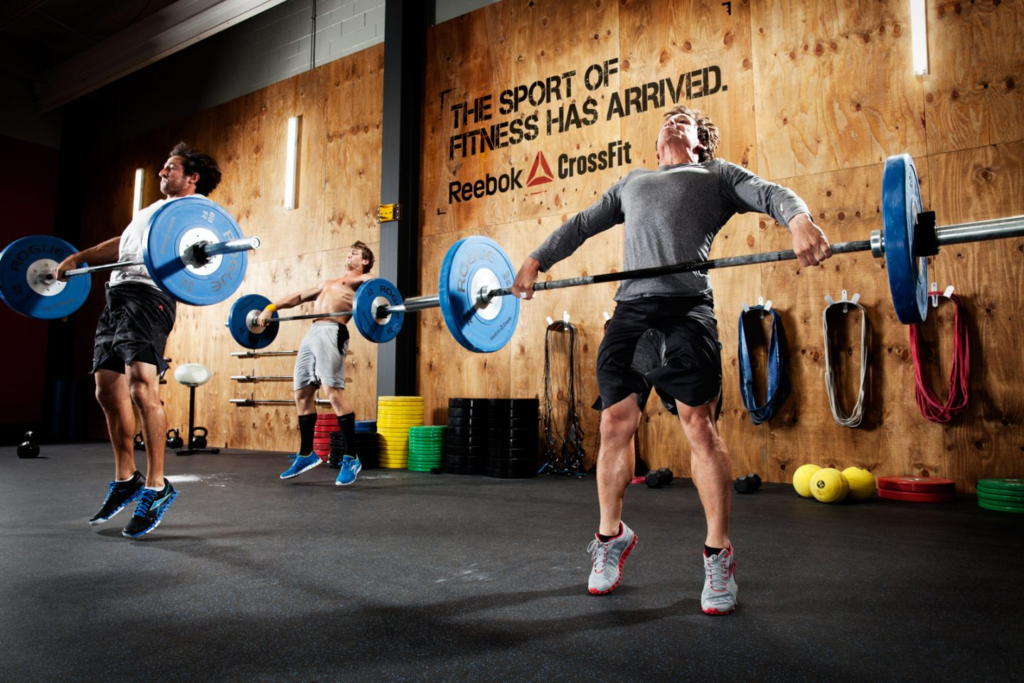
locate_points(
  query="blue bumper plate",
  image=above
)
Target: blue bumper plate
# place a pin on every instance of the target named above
(25, 263)
(370, 296)
(471, 265)
(908, 275)
(179, 224)
(250, 336)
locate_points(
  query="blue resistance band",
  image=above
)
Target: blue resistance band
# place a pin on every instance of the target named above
(778, 384)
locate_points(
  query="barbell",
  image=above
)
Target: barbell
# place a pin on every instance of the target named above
(477, 275)
(192, 248)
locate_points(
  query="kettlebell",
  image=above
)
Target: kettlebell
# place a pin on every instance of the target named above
(198, 440)
(140, 445)
(28, 448)
(174, 440)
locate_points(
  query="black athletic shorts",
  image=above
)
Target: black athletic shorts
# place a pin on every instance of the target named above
(688, 366)
(133, 327)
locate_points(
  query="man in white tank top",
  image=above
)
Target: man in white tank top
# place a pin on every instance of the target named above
(128, 353)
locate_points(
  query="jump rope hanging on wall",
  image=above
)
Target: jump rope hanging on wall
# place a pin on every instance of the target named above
(563, 448)
(778, 382)
(857, 414)
(959, 373)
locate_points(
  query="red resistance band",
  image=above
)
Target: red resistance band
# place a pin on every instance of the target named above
(959, 374)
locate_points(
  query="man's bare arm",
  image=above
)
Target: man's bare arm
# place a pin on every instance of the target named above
(289, 301)
(104, 252)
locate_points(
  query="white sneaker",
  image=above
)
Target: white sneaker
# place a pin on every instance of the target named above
(719, 596)
(608, 560)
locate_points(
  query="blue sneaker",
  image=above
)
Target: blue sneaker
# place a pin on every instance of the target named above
(150, 510)
(350, 468)
(119, 496)
(300, 464)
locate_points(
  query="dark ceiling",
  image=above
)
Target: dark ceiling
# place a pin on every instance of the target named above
(36, 35)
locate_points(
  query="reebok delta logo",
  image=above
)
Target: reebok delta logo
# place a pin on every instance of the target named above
(540, 173)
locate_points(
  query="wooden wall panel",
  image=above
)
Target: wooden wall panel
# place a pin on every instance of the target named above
(552, 39)
(980, 184)
(469, 58)
(835, 85)
(817, 96)
(672, 40)
(846, 204)
(353, 91)
(973, 93)
(339, 177)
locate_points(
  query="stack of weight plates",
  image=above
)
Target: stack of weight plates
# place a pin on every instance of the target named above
(366, 446)
(917, 489)
(395, 415)
(426, 448)
(326, 424)
(1003, 495)
(466, 448)
(512, 438)
(368, 443)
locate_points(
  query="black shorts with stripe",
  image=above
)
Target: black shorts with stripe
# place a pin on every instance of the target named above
(133, 327)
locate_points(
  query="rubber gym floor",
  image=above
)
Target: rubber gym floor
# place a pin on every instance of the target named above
(421, 577)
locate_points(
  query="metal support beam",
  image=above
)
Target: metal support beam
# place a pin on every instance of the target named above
(405, 26)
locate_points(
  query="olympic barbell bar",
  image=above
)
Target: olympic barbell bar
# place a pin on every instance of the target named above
(476, 275)
(198, 255)
(192, 249)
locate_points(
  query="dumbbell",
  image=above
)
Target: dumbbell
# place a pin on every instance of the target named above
(748, 483)
(655, 479)
(140, 444)
(28, 448)
(174, 440)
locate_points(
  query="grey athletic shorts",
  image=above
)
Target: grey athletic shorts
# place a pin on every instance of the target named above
(321, 358)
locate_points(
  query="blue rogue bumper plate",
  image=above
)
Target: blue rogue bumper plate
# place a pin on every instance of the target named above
(473, 264)
(24, 263)
(908, 275)
(246, 334)
(370, 296)
(179, 224)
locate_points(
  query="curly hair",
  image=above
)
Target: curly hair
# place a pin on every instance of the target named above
(367, 254)
(197, 162)
(707, 131)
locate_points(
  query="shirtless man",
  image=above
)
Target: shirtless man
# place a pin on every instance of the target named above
(321, 361)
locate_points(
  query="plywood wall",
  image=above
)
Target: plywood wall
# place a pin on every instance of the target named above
(339, 180)
(813, 95)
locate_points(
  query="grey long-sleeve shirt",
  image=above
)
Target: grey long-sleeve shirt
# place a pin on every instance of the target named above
(671, 215)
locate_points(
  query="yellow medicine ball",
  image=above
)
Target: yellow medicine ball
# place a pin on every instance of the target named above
(802, 479)
(829, 485)
(862, 484)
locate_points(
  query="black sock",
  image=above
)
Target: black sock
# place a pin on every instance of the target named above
(605, 539)
(307, 425)
(347, 423)
(709, 551)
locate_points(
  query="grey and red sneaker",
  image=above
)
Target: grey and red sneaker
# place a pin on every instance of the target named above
(609, 556)
(719, 596)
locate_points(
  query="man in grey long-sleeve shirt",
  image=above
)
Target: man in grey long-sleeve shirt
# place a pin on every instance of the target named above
(671, 215)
